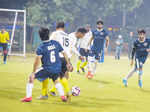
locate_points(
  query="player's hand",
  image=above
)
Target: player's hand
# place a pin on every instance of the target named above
(131, 62)
(70, 67)
(106, 50)
(148, 50)
(81, 57)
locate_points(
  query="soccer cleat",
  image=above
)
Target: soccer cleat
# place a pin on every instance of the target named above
(27, 99)
(90, 76)
(52, 93)
(140, 83)
(4, 62)
(82, 69)
(125, 82)
(43, 97)
(64, 98)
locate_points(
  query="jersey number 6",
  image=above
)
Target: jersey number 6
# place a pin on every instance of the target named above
(52, 57)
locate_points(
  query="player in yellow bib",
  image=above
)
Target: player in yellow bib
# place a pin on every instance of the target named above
(4, 40)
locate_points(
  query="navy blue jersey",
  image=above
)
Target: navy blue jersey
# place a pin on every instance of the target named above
(50, 56)
(98, 40)
(141, 48)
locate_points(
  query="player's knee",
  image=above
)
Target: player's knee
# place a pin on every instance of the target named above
(31, 79)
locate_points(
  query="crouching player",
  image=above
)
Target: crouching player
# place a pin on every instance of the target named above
(48, 54)
(84, 50)
(140, 51)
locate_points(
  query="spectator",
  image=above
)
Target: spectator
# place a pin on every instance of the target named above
(119, 44)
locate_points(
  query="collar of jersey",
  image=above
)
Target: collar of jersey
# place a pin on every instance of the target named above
(46, 41)
(100, 30)
(141, 41)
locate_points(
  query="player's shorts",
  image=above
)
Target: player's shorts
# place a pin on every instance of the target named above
(95, 54)
(139, 62)
(4, 46)
(43, 74)
(83, 52)
(64, 67)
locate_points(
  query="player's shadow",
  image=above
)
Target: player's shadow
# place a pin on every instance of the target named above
(100, 81)
(145, 91)
(93, 102)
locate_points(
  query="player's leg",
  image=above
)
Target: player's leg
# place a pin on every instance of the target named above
(53, 89)
(5, 53)
(130, 74)
(29, 86)
(97, 58)
(116, 53)
(59, 87)
(40, 75)
(140, 71)
(85, 54)
(44, 94)
(64, 76)
(65, 84)
(78, 65)
(91, 64)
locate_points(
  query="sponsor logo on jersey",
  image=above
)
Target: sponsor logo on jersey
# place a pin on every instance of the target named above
(145, 44)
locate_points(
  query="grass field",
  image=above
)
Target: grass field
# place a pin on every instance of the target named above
(105, 93)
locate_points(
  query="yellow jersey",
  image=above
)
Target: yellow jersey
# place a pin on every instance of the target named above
(4, 37)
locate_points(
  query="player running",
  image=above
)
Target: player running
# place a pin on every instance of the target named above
(48, 54)
(99, 38)
(140, 51)
(84, 49)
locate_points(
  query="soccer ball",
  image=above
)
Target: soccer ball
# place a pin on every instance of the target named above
(75, 91)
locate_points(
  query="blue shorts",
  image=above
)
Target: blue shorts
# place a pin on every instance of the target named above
(140, 61)
(43, 74)
(83, 52)
(95, 54)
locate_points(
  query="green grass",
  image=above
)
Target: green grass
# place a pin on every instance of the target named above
(105, 93)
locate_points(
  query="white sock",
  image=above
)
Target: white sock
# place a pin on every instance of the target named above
(59, 89)
(94, 68)
(130, 73)
(29, 90)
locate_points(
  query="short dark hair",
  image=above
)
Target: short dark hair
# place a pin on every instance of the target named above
(60, 25)
(141, 31)
(99, 22)
(82, 30)
(44, 33)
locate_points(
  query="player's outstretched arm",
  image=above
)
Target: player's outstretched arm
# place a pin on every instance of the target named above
(132, 56)
(148, 50)
(36, 63)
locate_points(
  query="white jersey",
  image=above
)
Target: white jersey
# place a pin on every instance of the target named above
(74, 43)
(64, 40)
(83, 42)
